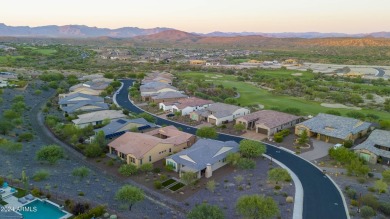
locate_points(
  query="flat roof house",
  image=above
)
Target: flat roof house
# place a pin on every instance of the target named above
(268, 122)
(203, 158)
(149, 147)
(118, 127)
(82, 103)
(333, 129)
(219, 113)
(186, 105)
(168, 96)
(96, 118)
(376, 148)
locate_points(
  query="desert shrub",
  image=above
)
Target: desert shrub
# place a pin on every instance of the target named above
(278, 137)
(246, 163)
(371, 201)
(157, 184)
(361, 180)
(285, 132)
(351, 193)
(36, 192)
(40, 175)
(371, 189)
(354, 202)
(289, 199)
(384, 207)
(156, 170)
(367, 212)
(127, 169)
(370, 175)
(277, 187)
(147, 167)
(94, 212)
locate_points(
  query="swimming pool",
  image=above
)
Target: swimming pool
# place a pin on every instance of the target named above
(41, 210)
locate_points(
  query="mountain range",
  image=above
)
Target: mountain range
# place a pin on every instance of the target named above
(82, 31)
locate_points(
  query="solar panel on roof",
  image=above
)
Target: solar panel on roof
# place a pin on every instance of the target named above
(121, 121)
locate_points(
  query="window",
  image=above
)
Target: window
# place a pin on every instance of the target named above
(140, 162)
(132, 159)
(170, 150)
(224, 160)
(150, 158)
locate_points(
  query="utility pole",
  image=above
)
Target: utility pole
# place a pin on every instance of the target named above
(360, 198)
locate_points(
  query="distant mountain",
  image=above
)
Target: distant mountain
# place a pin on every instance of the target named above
(75, 31)
(306, 35)
(170, 36)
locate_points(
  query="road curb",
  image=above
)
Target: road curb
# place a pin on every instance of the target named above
(298, 198)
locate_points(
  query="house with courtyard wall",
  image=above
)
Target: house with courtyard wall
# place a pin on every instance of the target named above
(186, 105)
(154, 88)
(97, 118)
(167, 97)
(376, 148)
(203, 158)
(149, 147)
(268, 122)
(219, 113)
(333, 129)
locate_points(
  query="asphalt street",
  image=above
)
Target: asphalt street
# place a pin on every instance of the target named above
(321, 199)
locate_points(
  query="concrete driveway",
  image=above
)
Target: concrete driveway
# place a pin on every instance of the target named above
(320, 149)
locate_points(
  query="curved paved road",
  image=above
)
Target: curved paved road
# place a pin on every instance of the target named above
(321, 200)
(380, 72)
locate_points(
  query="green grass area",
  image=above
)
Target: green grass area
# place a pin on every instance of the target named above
(20, 193)
(177, 187)
(5, 59)
(46, 52)
(168, 182)
(252, 95)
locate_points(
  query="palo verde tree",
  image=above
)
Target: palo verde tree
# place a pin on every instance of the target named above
(278, 174)
(205, 211)
(257, 207)
(207, 132)
(251, 149)
(129, 195)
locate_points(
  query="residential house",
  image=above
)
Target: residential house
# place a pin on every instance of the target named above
(154, 88)
(158, 77)
(3, 82)
(376, 148)
(79, 102)
(219, 113)
(167, 97)
(9, 76)
(268, 121)
(186, 105)
(97, 118)
(140, 148)
(333, 129)
(203, 158)
(118, 127)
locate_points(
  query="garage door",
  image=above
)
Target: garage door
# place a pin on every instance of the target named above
(262, 131)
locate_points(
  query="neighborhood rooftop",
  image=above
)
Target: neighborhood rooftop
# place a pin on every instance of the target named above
(189, 102)
(203, 152)
(169, 95)
(335, 126)
(117, 124)
(270, 118)
(77, 97)
(98, 116)
(379, 138)
(220, 110)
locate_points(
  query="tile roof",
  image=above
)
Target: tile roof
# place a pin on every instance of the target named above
(68, 99)
(335, 126)
(118, 124)
(203, 152)
(138, 144)
(220, 110)
(155, 86)
(169, 95)
(270, 118)
(98, 116)
(189, 102)
(83, 103)
(377, 137)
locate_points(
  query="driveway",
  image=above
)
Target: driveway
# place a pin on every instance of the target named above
(316, 204)
(320, 149)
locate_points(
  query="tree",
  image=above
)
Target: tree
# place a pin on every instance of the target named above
(278, 174)
(303, 138)
(5, 126)
(93, 150)
(233, 158)
(100, 139)
(367, 212)
(50, 154)
(333, 112)
(147, 117)
(188, 178)
(210, 185)
(146, 167)
(205, 211)
(257, 207)
(80, 172)
(129, 195)
(386, 176)
(380, 186)
(239, 127)
(251, 148)
(127, 169)
(230, 100)
(207, 132)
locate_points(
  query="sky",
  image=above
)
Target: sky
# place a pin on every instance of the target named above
(203, 16)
